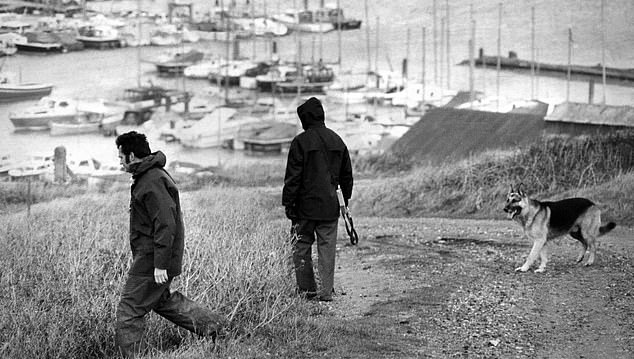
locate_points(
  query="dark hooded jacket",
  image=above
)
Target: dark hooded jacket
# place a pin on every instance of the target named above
(318, 160)
(157, 234)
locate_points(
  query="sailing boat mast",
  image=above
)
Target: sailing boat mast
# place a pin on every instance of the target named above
(603, 48)
(339, 19)
(499, 60)
(138, 47)
(367, 33)
(569, 64)
(435, 31)
(532, 52)
(422, 102)
(448, 46)
(225, 25)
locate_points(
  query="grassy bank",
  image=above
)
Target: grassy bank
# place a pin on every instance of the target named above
(599, 167)
(64, 266)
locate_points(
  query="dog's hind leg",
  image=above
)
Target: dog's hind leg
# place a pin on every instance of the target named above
(590, 230)
(592, 249)
(584, 246)
(538, 244)
(543, 255)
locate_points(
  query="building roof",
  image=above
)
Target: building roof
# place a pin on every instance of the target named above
(589, 114)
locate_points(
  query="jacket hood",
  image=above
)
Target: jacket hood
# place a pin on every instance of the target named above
(311, 113)
(156, 159)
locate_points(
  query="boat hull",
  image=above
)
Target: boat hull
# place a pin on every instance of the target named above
(10, 93)
(96, 43)
(40, 47)
(62, 128)
(38, 122)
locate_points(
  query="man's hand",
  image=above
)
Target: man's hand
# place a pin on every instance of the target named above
(290, 212)
(160, 275)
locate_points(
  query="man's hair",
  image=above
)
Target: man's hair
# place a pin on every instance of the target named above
(133, 142)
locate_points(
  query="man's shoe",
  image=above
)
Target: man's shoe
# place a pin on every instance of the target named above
(307, 294)
(325, 298)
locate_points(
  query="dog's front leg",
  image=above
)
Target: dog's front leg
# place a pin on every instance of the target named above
(538, 244)
(543, 256)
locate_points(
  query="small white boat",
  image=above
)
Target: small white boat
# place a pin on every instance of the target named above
(99, 36)
(412, 94)
(33, 166)
(176, 63)
(79, 125)
(303, 21)
(48, 109)
(214, 130)
(231, 72)
(265, 136)
(10, 92)
(6, 163)
(261, 26)
(275, 75)
(82, 166)
(205, 67)
(169, 34)
(7, 48)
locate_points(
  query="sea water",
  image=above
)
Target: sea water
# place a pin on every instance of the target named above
(393, 33)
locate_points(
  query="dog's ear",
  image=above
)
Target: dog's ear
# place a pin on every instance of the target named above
(519, 189)
(511, 189)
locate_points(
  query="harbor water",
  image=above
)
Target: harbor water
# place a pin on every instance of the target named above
(393, 33)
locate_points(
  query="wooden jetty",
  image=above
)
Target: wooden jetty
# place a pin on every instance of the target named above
(513, 62)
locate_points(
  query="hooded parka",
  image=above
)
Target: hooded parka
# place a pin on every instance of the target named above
(156, 224)
(318, 161)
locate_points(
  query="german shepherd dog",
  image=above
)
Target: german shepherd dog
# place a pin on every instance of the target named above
(543, 221)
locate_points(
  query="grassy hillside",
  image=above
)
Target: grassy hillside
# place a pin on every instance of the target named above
(64, 266)
(599, 167)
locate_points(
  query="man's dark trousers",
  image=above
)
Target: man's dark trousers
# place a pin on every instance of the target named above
(326, 234)
(141, 295)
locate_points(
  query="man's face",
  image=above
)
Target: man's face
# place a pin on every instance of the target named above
(124, 160)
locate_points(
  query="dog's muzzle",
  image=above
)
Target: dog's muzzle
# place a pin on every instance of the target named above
(512, 210)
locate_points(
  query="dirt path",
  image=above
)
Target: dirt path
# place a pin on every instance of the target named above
(443, 288)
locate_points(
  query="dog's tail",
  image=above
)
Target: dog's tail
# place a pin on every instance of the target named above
(605, 229)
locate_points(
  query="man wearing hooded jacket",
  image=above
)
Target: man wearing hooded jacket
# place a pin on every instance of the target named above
(157, 242)
(318, 161)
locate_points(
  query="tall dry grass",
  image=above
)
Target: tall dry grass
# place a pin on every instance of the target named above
(476, 187)
(64, 266)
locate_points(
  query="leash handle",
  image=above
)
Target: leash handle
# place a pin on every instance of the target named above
(352, 233)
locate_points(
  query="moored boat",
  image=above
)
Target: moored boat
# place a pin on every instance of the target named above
(313, 79)
(268, 137)
(275, 75)
(176, 63)
(40, 41)
(99, 37)
(10, 92)
(214, 130)
(334, 15)
(7, 47)
(303, 21)
(39, 116)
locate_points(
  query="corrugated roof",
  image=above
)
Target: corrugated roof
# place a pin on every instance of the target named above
(447, 133)
(590, 114)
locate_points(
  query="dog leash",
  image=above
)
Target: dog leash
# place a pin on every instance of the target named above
(345, 211)
(347, 218)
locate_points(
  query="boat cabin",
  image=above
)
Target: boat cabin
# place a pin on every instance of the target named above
(14, 26)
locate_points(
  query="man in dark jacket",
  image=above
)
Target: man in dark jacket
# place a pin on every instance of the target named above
(318, 161)
(157, 242)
